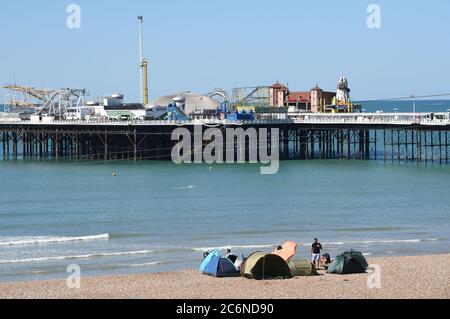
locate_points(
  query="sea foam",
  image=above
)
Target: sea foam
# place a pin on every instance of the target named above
(40, 240)
(56, 258)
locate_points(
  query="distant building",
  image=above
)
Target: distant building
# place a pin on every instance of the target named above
(191, 103)
(277, 95)
(316, 100)
(311, 101)
(320, 98)
(301, 100)
(113, 108)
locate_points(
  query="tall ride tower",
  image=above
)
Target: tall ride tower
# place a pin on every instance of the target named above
(143, 63)
(343, 91)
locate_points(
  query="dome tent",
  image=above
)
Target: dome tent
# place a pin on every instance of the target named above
(349, 262)
(262, 266)
(217, 266)
(302, 268)
(207, 259)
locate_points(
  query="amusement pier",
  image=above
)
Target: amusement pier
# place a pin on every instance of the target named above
(311, 124)
(401, 137)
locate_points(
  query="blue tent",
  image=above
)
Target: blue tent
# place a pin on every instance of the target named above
(217, 266)
(221, 267)
(207, 259)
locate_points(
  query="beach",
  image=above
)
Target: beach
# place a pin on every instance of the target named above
(414, 277)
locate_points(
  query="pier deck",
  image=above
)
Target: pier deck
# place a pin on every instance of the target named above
(421, 137)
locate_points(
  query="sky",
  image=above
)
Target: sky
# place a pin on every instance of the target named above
(205, 44)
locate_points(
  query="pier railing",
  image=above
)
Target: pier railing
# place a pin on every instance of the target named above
(376, 118)
(425, 119)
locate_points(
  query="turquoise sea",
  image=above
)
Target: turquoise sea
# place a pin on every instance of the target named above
(158, 216)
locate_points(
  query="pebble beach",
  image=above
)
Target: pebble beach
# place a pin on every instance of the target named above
(417, 277)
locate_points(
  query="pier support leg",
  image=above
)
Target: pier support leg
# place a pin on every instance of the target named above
(15, 145)
(4, 144)
(446, 147)
(23, 144)
(392, 145)
(106, 145)
(420, 147)
(6, 139)
(135, 145)
(320, 136)
(56, 145)
(376, 143)
(406, 145)
(349, 145)
(367, 146)
(77, 145)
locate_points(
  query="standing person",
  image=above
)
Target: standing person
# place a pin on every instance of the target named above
(315, 251)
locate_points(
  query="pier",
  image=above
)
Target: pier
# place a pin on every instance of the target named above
(418, 137)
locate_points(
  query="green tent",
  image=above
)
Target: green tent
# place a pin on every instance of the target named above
(349, 262)
(262, 266)
(302, 268)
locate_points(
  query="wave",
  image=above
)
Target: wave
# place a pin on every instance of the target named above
(87, 256)
(39, 240)
(153, 263)
(184, 187)
(385, 241)
(332, 243)
(368, 229)
(232, 247)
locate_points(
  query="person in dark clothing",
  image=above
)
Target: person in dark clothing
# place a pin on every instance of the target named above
(231, 256)
(315, 252)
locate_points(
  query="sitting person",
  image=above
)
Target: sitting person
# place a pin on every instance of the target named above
(231, 256)
(325, 261)
(205, 254)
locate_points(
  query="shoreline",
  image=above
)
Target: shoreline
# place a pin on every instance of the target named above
(413, 277)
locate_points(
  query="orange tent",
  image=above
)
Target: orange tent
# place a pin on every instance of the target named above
(289, 249)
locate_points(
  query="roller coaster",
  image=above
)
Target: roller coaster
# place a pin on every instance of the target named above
(51, 102)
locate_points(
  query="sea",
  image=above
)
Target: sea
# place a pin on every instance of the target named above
(158, 216)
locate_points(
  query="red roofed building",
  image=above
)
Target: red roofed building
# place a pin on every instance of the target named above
(277, 95)
(313, 100)
(299, 99)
